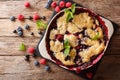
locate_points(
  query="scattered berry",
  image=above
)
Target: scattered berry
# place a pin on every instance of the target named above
(57, 9)
(36, 63)
(47, 68)
(27, 26)
(31, 50)
(12, 18)
(31, 33)
(14, 31)
(30, 17)
(89, 75)
(34, 55)
(53, 4)
(42, 61)
(27, 57)
(68, 4)
(21, 17)
(19, 28)
(27, 4)
(36, 17)
(62, 4)
(20, 33)
(48, 4)
(43, 17)
(40, 32)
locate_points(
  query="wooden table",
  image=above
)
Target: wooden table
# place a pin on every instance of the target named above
(12, 63)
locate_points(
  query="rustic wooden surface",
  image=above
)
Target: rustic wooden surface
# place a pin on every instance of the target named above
(12, 64)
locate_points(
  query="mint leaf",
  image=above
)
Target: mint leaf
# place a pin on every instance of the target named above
(73, 8)
(67, 47)
(67, 51)
(96, 36)
(41, 24)
(22, 47)
(66, 10)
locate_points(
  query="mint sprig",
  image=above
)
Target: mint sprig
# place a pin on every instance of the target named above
(96, 36)
(22, 47)
(41, 24)
(67, 47)
(70, 12)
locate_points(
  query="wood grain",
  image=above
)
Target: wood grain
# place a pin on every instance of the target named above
(12, 64)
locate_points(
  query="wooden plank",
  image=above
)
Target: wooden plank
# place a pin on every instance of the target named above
(16, 7)
(109, 68)
(15, 66)
(10, 45)
(7, 27)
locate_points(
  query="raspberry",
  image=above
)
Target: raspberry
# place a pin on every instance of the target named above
(57, 9)
(42, 61)
(27, 4)
(54, 4)
(89, 75)
(68, 4)
(62, 4)
(31, 50)
(20, 17)
(59, 37)
(36, 17)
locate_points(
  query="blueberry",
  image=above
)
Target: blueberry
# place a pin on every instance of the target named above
(14, 31)
(27, 57)
(40, 32)
(19, 28)
(20, 33)
(43, 17)
(48, 4)
(47, 68)
(12, 18)
(32, 33)
(27, 26)
(36, 63)
(30, 17)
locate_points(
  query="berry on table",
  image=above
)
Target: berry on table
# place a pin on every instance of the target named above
(27, 57)
(31, 33)
(43, 17)
(48, 4)
(42, 61)
(68, 4)
(20, 33)
(54, 4)
(36, 63)
(14, 31)
(31, 50)
(39, 32)
(30, 17)
(36, 16)
(89, 75)
(12, 18)
(62, 4)
(57, 9)
(19, 28)
(27, 4)
(20, 17)
(27, 27)
(47, 68)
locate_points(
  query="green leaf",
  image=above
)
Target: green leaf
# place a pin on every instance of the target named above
(41, 24)
(96, 36)
(67, 51)
(22, 47)
(73, 8)
(66, 10)
(69, 16)
(67, 47)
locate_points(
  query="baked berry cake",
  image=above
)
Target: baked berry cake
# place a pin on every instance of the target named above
(77, 40)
